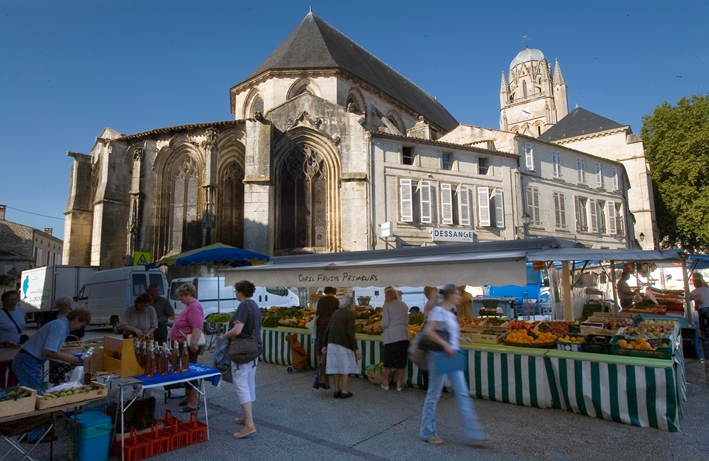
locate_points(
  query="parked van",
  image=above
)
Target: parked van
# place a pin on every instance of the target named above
(215, 297)
(107, 293)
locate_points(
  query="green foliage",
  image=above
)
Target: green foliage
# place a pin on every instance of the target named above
(677, 149)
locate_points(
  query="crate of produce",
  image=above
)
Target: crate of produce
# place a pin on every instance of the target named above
(570, 342)
(17, 401)
(640, 347)
(597, 344)
(531, 338)
(484, 334)
(76, 394)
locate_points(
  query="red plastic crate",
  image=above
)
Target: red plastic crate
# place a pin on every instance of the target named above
(179, 437)
(197, 430)
(159, 441)
(136, 447)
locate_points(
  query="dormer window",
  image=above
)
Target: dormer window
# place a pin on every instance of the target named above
(407, 155)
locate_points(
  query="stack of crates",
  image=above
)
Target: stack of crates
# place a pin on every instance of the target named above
(172, 436)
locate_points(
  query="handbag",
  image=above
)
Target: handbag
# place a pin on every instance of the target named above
(417, 355)
(222, 361)
(200, 342)
(245, 350)
(312, 326)
(430, 346)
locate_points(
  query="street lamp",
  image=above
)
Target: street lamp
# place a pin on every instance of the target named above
(521, 231)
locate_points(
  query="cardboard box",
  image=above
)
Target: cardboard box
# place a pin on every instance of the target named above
(99, 391)
(12, 407)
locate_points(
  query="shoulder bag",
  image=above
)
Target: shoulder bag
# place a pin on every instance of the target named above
(245, 350)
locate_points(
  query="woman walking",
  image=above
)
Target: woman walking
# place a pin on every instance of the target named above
(245, 322)
(441, 317)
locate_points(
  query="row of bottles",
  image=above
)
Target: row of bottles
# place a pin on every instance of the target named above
(160, 360)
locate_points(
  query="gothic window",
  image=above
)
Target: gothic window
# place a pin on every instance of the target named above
(184, 228)
(230, 221)
(257, 106)
(303, 200)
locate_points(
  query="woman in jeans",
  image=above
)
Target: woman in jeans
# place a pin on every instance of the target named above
(441, 317)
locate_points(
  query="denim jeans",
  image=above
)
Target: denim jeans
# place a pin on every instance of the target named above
(472, 431)
(28, 370)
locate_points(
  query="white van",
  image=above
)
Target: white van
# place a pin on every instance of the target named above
(218, 298)
(412, 296)
(107, 293)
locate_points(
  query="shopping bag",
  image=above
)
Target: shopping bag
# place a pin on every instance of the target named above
(222, 361)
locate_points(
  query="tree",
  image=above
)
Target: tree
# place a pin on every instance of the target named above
(677, 149)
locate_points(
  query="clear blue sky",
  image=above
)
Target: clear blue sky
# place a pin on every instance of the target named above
(70, 68)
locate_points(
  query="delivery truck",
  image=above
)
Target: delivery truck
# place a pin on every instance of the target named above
(40, 287)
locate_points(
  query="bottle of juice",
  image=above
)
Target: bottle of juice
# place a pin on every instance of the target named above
(175, 360)
(185, 358)
(150, 362)
(165, 362)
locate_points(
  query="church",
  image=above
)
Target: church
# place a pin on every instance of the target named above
(327, 146)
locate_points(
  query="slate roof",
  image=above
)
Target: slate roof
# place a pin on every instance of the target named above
(315, 44)
(579, 122)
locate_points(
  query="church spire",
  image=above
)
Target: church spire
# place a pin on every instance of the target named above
(558, 78)
(503, 85)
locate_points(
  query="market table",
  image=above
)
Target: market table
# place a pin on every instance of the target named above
(142, 382)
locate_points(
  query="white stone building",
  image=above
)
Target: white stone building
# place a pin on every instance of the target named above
(327, 144)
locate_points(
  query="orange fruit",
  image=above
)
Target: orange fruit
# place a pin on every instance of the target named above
(623, 343)
(640, 340)
(645, 346)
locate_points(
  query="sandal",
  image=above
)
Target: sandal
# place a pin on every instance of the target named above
(188, 409)
(183, 403)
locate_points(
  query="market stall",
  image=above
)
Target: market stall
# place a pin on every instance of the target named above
(641, 391)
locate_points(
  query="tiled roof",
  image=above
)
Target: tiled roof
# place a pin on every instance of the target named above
(578, 122)
(315, 44)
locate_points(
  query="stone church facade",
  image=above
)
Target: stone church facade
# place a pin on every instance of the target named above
(327, 144)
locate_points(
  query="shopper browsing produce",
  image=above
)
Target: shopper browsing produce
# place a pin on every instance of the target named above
(395, 336)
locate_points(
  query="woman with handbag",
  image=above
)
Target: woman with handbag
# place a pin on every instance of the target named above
(187, 332)
(440, 318)
(245, 336)
(341, 349)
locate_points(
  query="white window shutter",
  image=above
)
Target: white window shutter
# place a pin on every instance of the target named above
(425, 191)
(529, 156)
(405, 200)
(556, 161)
(577, 211)
(446, 204)
(581, 170)
(599, 174)
(484, 206)
(594, 214)
(610, 211)
(614, 177)
(463, 205)
(562, 207)
(499, 210)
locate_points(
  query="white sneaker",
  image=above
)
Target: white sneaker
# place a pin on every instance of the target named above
(386, 388)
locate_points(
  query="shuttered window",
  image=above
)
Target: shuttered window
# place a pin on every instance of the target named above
(464, 205)
(599, 174)
(594, 215)
(559, 210)
(533, 205)
(425, 194)
(581, 170)
(484, 206)
(612, 224)
(614, 177)
(556, 161)
(529, 156)
(405, 200)
(581, 216)
(499, 210)
(446, 204)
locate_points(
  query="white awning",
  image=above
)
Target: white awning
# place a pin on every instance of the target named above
(589, 254)
(490, 263)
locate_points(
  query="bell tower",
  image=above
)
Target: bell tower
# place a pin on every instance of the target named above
(531, 101)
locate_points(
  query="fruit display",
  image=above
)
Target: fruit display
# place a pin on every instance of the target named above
(515, 324)
(472, 321)
(614, 324)
(559, 327)
(67, 392)
(416, 319)
(530, 338)
(641, 347)
(573, 339)
(14, 393)
(373, 325)
(287, 317)
(414, 329)
(495, 321)
(218, 318)
(650, 331)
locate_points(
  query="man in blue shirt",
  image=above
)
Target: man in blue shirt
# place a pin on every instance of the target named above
(46, 344)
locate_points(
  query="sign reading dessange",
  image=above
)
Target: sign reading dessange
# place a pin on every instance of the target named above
(452, 235)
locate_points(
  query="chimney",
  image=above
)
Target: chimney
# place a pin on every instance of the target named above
(2, 212)
(48, 230)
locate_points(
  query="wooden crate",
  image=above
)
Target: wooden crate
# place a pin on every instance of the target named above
(99, 391)
(484, 334)
(21, 406)
(119, 357)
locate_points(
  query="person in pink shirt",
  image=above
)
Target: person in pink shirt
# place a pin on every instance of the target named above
(190, 321)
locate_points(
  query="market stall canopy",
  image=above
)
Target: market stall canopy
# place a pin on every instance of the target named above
(217, 253)
(477, 264)
(696, 262)
(588, 254)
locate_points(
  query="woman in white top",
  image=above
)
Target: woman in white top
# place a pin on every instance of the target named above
(441, 317)
(700, 296)
(395, 336)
